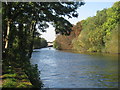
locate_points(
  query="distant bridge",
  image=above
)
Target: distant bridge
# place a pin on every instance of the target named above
(50, 44)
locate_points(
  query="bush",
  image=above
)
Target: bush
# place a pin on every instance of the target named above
(33, 75)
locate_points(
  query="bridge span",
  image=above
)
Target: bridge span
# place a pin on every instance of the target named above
(50, 44)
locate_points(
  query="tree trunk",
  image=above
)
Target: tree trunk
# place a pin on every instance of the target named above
(8, 31)
(32, 42)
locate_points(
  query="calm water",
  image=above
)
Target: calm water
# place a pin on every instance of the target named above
(71, 70)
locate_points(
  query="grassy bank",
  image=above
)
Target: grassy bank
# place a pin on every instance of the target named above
(16, 76)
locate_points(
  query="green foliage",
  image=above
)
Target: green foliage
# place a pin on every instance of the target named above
(100, 33)
(43, 43)
(14, 77)
(9, 83)
(21, 23)
(9, 75)
(7, 69)
(12, 81)
(39, 43)
(24, 85)
(112, 44)
(33, 74)
(56, 45)
(75, 43)
(65, 42)
(81, 42)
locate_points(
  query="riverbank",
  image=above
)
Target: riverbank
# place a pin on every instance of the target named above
(16, 76)
(18, 79)
(96, 34)
(92, 53)
(109, 56)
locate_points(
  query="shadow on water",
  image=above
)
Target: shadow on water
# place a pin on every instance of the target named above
(61, 69)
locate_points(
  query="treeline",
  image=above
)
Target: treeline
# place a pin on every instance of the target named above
(39, 43)
(65, 42)
(99, 33)
(20, 25)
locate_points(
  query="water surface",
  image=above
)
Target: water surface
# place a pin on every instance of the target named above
(73, 70)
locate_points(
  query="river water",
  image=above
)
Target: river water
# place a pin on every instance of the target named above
(61, 69)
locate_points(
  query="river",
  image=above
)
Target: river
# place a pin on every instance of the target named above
(61, 69)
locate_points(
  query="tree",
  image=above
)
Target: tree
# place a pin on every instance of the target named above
(65, 42)
(100, 32)
(39, 43)
(43, 12)
(19, 27)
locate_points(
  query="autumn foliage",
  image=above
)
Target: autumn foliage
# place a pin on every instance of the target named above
(100, 33)
(65, 42)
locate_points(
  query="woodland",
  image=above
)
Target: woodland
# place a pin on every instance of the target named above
(21, 23)
(99, 33)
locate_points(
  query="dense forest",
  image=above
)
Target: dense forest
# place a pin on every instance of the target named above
(98, 34)
(20, 25)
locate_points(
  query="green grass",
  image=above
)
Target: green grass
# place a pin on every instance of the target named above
(9, 83)
(16, 79)
(9, 75)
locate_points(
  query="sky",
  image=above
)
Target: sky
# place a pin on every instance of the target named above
(88, 10)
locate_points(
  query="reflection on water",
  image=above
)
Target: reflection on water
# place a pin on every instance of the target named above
(71, 70)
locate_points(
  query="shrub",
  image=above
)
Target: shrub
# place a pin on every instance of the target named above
(33, 75)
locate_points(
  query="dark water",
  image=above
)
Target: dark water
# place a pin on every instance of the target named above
(71, 70)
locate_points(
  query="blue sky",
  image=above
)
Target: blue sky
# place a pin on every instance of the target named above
(89, 9)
